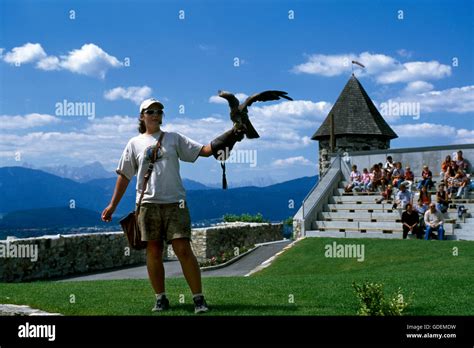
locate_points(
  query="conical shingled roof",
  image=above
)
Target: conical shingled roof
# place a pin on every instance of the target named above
(355, 114)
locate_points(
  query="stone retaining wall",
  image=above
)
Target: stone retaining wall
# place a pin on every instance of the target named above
(213, 241)
(63, 255)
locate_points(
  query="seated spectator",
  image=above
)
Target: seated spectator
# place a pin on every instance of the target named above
(459, 183)
(426, 180)
(449, 173)
(421, 210)
(387, 194)
(389, 165)
(442, 201)
(376, 179)
(356, 180)
(420, 207)
(386, 175)
(434, 222)
(398, 175)
(444, 167)
(365, 179)
(411, 222)
(461, 162)
(425, 196)
(409, 178)
(402, 198)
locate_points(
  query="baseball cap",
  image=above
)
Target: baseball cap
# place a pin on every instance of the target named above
(147, 102)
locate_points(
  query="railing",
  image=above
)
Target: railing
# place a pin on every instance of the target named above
(326, 186)
(336, 161)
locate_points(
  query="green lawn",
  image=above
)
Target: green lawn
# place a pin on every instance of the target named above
(442, 284)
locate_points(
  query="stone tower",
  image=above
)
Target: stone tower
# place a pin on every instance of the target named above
(356, 125)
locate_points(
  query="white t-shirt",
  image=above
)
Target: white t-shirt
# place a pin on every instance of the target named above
(355, 176)
(165, 185)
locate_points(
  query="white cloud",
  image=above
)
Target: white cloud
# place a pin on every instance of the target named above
(90, 59)
(288, 109)
(464, 136)
(135, 94)
(383, 68)
(49, 63)
(456, 100)
(424, 130)
(433, 130)
(109, 134)
(418, 87)
(333, 65)
(215, 99)
(27, 121)
(287, 125)
(325, 65)
(25, 54)
(114, 126)
(212, 120)
(292, 161)
(283, 127)
(413, 71)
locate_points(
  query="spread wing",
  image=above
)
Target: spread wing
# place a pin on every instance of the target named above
(231, 99)
(264, 96)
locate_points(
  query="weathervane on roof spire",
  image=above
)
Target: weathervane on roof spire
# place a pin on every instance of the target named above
(358, 63)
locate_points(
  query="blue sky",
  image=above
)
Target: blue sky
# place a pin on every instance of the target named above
(423, 56)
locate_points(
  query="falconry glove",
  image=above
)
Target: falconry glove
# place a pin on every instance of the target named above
(224, 143)
(221, 147)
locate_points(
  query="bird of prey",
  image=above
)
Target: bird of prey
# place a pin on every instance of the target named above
(239, 112)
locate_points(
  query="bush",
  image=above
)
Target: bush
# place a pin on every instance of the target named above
(374, 303)
(244, 218)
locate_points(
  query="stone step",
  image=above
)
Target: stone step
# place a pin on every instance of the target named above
(465, 227)
(355, 199)
(463, 235)
(364, 226)
(361, 216)
(374, 205)
(367, 207)
(356, 193)
(357, 234)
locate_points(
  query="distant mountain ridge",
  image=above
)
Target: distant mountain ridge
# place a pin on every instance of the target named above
(96, 171)
(91, 171)
(28, 191)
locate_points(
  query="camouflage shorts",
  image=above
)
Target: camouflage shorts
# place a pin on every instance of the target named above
(164, 221)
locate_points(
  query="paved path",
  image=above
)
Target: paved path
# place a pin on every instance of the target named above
(173, 269)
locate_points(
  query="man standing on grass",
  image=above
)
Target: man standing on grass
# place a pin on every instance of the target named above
(164, 214)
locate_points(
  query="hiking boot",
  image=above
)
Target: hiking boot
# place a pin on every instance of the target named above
(162, 304)
(200, 305)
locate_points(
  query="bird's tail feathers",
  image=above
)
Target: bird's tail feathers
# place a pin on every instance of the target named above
(250, 132)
